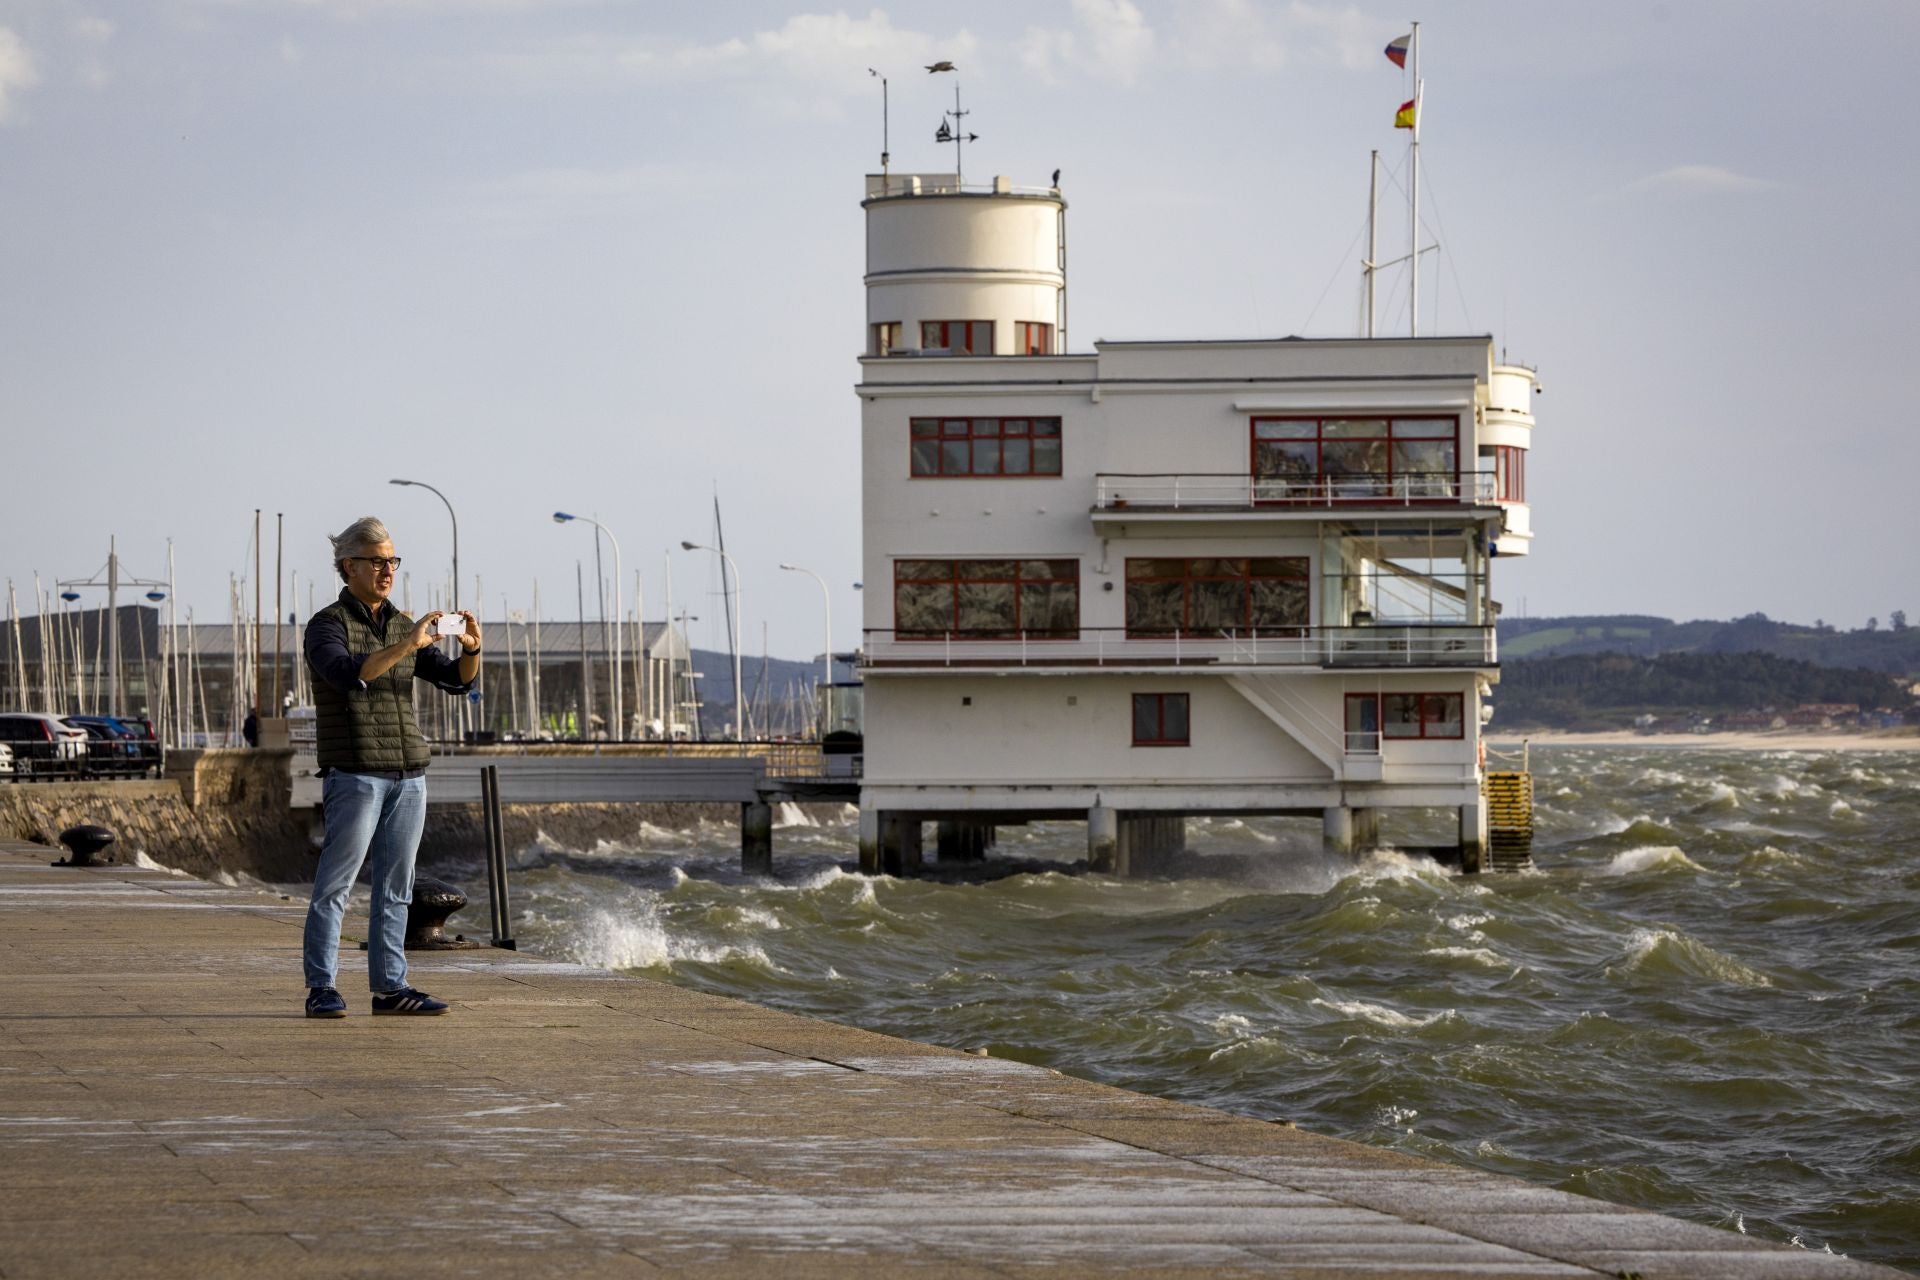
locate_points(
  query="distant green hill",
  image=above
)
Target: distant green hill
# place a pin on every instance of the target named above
(1893, 648)
(1608, 690)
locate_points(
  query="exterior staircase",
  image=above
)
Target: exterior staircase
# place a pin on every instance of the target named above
(1509, 795)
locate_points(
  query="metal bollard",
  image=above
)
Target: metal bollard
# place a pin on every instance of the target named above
(502, 918)
(82, 843)
(433, 901)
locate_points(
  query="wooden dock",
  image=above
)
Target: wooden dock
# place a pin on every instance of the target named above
(165, 1110)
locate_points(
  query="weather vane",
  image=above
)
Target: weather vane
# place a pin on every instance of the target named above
(952, 126)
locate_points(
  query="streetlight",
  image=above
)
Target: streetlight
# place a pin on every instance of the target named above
(456, 532)
(113, 584)
(701, 546)
(826, 597)
(618, 723)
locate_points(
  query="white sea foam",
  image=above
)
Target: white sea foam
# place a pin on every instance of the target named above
(1478, 955)
(1380, 1014)
(638, 940)
(788, 814)
(1646, 858)
(1229, 1023)
(141, 860)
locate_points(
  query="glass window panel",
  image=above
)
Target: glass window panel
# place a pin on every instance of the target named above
(1014, 427)
(1400, 715)
(1156, 568)
(1213, 568)
(1425, 428)
(1016, 457)
(1217, 606)
(1352, 428)
(923, 608)
(986, 457)
(926, 457)
(1444, 715)
(1289, 459)
(1282, 567)
(1279, 602)
(935, 570)
(1035, 570)
(985, 607)
(977, 570)
(1050, 607)
(1154, 606)
(926, 427)
(1067, 569)
(986, 426)
(1275, 429)
(932, 334)
(1424, 468)
(1146, 717)
(1363, 714)
(1355, 468)
(954, 455)
(1173, 717)
(954, 427)
(1046, 426)
(1046, 457)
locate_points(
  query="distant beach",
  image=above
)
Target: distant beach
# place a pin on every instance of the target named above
(1768, 741)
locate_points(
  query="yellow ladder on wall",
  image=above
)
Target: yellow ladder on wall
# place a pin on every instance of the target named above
(1509, 797)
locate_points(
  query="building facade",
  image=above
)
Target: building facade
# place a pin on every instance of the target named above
(1163, 579)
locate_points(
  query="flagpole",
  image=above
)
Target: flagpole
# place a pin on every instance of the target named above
(1373, 239)
(1413, 195)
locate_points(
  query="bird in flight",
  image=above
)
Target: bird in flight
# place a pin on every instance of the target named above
(941, 66)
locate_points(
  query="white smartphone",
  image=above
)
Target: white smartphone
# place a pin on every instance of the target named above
(451, 624)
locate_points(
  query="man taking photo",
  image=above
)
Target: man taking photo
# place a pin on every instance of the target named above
(365, 655)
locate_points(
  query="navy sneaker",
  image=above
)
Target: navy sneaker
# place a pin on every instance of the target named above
(325, 1002)
(407, 1000)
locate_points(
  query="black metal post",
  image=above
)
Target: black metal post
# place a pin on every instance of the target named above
(502, 918)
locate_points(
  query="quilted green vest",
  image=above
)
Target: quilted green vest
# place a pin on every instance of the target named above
(372, 729)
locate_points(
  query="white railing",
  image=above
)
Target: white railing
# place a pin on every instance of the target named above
(1239, 492)
(1373, 646)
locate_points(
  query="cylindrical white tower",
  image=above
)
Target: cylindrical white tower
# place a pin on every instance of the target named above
(1506, 434)
(975, 272)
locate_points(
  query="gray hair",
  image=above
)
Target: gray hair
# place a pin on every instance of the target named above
(365, 532)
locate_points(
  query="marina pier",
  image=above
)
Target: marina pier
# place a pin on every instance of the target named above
(168, 1112)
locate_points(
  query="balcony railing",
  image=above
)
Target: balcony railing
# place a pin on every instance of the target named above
(1372, 646)
(1116, 491)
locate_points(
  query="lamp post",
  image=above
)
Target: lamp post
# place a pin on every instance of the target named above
(826, 655)
(113, 584)
(701, 546)
(618, 701)
(422, 484)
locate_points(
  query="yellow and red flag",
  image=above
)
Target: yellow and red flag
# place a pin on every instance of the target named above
(1403, 118)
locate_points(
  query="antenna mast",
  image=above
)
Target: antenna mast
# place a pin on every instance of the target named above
(956, 134)
(1413, 195)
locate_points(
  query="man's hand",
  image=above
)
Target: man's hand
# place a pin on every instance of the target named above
(423, 630)
(470, 641)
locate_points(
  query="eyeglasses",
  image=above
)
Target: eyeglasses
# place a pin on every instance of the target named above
(379, 562)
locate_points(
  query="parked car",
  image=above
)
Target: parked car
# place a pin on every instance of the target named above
(43, 744)
(118, 744)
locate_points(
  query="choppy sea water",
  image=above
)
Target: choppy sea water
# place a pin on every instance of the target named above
(1705, 1001)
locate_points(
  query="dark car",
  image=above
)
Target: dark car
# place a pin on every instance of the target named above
(116, 746)
(43, 745)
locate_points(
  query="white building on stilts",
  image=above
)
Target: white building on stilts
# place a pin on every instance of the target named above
(1162, 579)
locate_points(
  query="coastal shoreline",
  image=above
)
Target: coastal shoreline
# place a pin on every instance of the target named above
(1769, 741)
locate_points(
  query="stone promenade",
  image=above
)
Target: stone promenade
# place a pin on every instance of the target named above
(165, 1110)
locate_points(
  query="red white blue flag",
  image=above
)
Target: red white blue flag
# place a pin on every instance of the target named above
(1397, 51)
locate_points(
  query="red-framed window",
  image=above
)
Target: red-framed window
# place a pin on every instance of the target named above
(962, 337)
(886, 338)
(945, 447)
(1296, 459)
(985, 599)
(1032, 338)
(1407, 715)
(1217, 594)
(1509, 472)
(1162, 720)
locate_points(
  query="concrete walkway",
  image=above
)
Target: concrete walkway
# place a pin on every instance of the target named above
(166, 1111)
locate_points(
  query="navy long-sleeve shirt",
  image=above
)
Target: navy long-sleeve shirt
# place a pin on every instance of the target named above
(330, 659)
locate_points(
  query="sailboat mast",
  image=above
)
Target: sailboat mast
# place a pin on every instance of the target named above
(1413, 196)
(1373, 238)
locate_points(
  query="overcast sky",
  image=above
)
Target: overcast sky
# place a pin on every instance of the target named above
(606, 256)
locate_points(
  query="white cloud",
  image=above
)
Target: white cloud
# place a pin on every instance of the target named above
(1112, 40)
(17, 73)
(1697, 179)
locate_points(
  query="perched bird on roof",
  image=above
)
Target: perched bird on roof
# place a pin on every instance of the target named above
(941, 66)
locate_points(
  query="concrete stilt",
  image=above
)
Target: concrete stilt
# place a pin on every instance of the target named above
(1336, 829)
(756, 838)
(1103, 841)
(900, 844)
(1366, 830)
(1148, 844)
(962, 841)
(1473, 837)
(869, 841)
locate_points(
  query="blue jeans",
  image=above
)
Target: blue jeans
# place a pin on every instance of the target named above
(378, 816)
